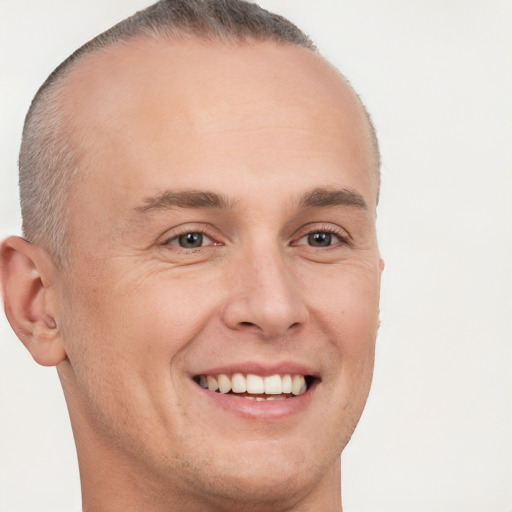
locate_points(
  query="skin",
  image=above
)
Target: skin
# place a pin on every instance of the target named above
(134, 316)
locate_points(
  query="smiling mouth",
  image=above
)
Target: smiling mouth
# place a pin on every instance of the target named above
(256, 387)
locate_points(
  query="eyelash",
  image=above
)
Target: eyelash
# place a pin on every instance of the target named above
(341, 235)
(191, 231)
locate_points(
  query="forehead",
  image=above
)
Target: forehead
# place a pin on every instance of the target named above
(193, 71)
(147, 110)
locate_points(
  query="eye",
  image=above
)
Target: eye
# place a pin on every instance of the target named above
(192, 240)
(321, 239)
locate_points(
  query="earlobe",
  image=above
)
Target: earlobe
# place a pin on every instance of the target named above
(28, 299)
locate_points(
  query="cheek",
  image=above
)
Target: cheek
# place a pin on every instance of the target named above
(121, 346)
(358, 325)
(346, 300)
(348, 311)
(166, 316)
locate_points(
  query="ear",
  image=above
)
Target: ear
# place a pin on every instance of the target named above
(29, 299)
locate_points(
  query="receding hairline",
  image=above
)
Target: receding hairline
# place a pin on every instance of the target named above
(64, 81)
(174, 29)
(142, 41)
(48, 104)
(63, 150)
(82, 154)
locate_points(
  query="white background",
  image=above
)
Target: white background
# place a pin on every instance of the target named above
(437, 77)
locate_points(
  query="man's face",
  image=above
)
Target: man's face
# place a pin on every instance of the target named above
(224, 224)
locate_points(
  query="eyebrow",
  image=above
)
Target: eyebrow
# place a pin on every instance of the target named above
(186, 199)
(317, 198)
(321, 197)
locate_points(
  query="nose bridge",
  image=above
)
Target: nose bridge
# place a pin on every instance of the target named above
(266, 295)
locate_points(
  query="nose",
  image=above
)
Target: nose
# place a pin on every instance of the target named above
(265, 295)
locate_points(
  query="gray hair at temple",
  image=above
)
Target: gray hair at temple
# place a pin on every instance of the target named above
(48, 164)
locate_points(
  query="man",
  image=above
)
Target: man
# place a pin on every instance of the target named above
(200, 261)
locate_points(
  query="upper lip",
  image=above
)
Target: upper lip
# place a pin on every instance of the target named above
(262, 369)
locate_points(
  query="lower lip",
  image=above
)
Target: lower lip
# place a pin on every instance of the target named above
(259, 410)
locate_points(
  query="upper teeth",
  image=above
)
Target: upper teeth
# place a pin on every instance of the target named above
(254, 384)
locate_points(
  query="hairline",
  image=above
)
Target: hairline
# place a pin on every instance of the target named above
(48, 101)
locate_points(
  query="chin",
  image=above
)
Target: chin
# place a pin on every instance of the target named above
(267, 476)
